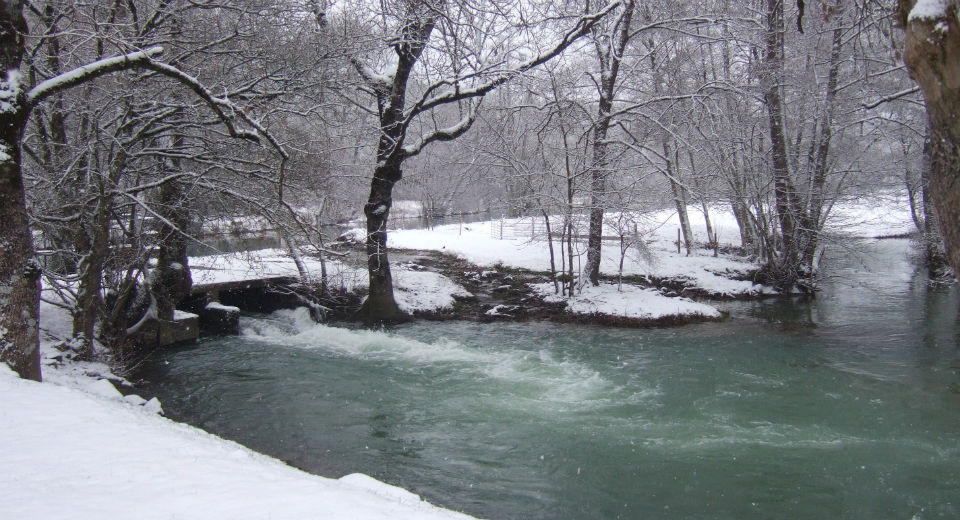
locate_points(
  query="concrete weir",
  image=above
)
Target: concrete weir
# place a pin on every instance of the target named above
(214, 308)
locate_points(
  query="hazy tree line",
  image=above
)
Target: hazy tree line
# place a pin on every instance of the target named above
(128, 126)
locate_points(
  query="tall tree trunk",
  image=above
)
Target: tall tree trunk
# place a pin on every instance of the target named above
(52, 137)
(91, 241)
(89, 302)
(932, 54)
(932, 241)
(672, 172)
(19, 274)
(380, 305)
(711, 235)
(813, 225)
(610, 47)
(739, 214)
(784, 191)
(553, 262)
(170, 280)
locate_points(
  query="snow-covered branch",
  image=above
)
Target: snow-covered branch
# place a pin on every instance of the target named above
(376, 80)
(219, 106)
(227, 112)
(584, 24)
(225, 109)
(444, 134)
(89, 72)
(891, 97)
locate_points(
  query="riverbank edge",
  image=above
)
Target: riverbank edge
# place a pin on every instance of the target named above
(508, 293)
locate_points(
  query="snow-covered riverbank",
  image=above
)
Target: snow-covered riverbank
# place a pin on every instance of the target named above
(75, 447)
(70, 453)
(651, 262)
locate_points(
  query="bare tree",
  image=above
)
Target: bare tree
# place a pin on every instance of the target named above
(19, 272)
(473, 76)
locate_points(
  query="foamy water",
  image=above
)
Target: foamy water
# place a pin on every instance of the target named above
(844, 407)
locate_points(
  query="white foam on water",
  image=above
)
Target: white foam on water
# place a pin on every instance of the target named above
(520, 379)
(696, 436)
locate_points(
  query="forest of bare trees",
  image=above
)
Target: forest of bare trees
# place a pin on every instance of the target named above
(126, 125)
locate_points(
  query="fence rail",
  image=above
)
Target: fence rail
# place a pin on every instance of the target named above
(531, 228)
(535, 228)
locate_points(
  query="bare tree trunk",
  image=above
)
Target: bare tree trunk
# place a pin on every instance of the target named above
(933, 56)
(170, 280)
(553, 262)
(610, 47)
(915, 188)
(92, 244)
(814, 218)
(747, 234)
(784, 190)
(51, 129)
(89, 302)
(19, 274)
(711, 235)
(932, 241)
(571, 281)
(672, 173)
(380, 305)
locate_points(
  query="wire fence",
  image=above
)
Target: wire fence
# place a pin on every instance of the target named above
(535, 229)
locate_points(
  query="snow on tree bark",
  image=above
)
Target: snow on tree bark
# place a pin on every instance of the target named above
(19, 275)
(610, 48)
(932, 53)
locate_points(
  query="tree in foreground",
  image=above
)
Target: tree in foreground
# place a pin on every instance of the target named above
(932, 53)
(19, 270)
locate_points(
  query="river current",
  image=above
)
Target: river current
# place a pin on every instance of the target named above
(843, 406)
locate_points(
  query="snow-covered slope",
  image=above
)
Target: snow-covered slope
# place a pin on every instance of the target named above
(66, 454)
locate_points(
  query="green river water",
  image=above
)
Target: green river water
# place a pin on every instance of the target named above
(847, 406)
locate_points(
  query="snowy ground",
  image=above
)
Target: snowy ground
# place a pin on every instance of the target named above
(628, 301)
(415, 289)
(75, 447)
(481, 244)
(73, 454)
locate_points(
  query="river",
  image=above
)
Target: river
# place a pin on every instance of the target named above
(844, 406)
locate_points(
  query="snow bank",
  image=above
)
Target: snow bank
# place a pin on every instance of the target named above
(480, 243)
(424, 290)
(70, 454)
(232, 267)
(76, 447)
(630, 302)
(414, 290)
(477, 244)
